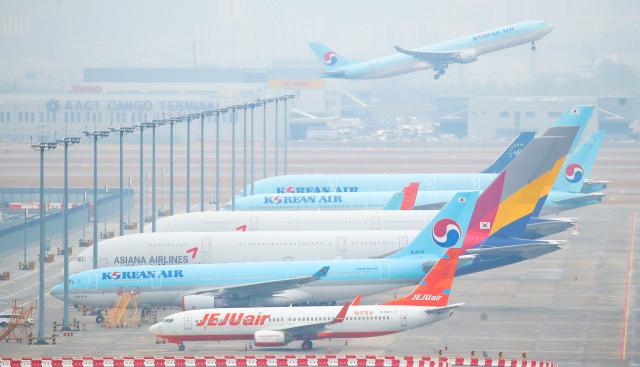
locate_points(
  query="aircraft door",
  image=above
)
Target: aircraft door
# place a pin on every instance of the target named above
(333, 184)
(103, 263)
(375, 221)
(431, 184)
(187, 321)
(476, 183)
(403, 317)
(156, 282)
(404, 241)
(254, 223)
(92, 284)
(385, 273)
(342, 244)
(290, 274)
(206, 245)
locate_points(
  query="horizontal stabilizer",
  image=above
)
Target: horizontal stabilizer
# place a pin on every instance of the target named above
(582, 199)
(444, 308)
(527, 251)
(589, 186)
(430, 206)
(333, 74)
(462, 261)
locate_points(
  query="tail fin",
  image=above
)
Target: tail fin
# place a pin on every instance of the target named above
(505, 206)
(578, 165)
(403, 200)
(434, 289)
(512, 150)
(576, 116)
(447, 229)
(332, 59)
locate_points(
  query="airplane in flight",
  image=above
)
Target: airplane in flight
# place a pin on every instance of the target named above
(438, 57)
(503, 207)
(340, 183)
(279, 326)
(565, 194)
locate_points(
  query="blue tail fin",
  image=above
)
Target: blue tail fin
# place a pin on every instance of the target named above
(578, 165)
(576, 116)
(507, 156)
(333, 60)
(446, 230)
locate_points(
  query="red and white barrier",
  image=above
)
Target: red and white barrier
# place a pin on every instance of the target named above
(270, 361)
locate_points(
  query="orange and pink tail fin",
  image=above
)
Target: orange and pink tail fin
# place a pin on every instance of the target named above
(434, 289)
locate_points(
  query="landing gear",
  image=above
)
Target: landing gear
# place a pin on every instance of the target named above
(439, 71)
(99, 319)
(436, 77)
(533, 46)
(307, 345)
(181, 347)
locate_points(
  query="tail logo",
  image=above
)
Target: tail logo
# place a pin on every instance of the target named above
(574, 173)
(278, 199)
(116, 275)
(291, 190)
(446, 233)
(330, 58)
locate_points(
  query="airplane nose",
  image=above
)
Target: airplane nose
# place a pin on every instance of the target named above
(551, 27)
(154, 329)
(57, 291)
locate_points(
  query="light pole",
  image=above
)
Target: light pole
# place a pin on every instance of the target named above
(276, 128)
(202, 115)
(154, 213)
(122, 131)
(172, 121)
(264, 133)
(252, 105)
(244, 135)
(95, 135)
(42, 147)
(218, 112)
(286, 136)
(189, 117)
(233, 155)
(65, 239)
(142, 127)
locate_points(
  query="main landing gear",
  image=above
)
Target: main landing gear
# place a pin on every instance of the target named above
(181, 347)
(307, 345)
(533, 46)
(439, 71)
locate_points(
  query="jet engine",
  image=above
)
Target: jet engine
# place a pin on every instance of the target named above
(197, 302)
(467, 57)
(268, 338)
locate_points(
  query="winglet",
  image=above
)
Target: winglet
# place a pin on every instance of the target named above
(400, 49)
(357, 300)
(410, 193)
(341, 314)
(321, 273)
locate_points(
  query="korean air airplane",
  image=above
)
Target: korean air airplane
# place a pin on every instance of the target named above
(507, 203)
(279, 326)
(437, 57)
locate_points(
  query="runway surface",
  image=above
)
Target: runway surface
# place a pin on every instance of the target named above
(567, 306)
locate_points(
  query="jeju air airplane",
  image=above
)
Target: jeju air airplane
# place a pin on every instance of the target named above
(437, 57)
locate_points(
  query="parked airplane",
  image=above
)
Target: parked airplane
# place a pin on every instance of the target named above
(334, 184)
(279, 326)
(509, 201)
(437, 57)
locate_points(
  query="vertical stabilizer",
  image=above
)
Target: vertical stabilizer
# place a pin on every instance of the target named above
(332, 60)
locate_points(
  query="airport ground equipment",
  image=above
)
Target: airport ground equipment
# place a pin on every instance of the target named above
(19, 326)
(276, 360)
(85, 243)
(133, 225)
(124, 311)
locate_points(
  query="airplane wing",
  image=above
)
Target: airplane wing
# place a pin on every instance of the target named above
(577, 200)
(268, 287)
(527, 250)
(429, 56)
(316, 327)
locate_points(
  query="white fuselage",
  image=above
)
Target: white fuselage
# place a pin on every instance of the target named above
(243, 323)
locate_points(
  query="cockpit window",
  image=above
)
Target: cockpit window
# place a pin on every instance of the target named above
(80, 259)
(70, 282)
(167, 321)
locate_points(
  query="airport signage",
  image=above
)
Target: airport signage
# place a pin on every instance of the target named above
(312, 189)
(133, 105)
(302, 199)
(77, 88)
(297, 84)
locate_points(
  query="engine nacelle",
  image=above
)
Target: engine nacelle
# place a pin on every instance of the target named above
(268, 338)
(198, 302)
(467, 57)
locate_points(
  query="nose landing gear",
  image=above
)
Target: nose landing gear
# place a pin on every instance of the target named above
(533, 46)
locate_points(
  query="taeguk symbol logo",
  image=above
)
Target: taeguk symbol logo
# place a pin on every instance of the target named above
(330, 58)
(116, 275)
(278, 199)
(574, 173)
(446, 233)
(291, 190)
